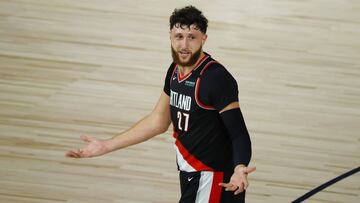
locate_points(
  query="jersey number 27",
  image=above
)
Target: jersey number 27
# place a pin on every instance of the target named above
(181, 115)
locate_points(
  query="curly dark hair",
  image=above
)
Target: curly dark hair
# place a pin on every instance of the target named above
(187, 16)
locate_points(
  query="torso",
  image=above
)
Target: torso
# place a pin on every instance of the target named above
(202, 143)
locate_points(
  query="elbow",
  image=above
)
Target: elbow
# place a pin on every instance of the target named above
(159, 123)
(159, 128)
(163, 129)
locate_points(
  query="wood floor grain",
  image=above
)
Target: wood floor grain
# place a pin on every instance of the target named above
(69, 68)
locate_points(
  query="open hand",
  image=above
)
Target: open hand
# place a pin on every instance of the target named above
(238, 181)
(94, 147)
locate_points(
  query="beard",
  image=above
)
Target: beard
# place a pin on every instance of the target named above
(193, 58)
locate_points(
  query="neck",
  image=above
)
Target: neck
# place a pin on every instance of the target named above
(187, 69)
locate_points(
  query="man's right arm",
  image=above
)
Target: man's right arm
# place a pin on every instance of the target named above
(155, 123)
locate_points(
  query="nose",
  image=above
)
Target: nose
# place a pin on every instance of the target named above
(185, 43)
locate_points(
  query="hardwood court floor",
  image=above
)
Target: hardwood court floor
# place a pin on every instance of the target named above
(96, 67)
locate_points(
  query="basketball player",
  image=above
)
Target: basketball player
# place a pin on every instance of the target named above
(200, 98)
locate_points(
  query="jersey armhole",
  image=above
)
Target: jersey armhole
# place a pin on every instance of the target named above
(197, 87)
(173, 71)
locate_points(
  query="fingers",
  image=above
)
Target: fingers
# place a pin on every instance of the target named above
(239, 190)
(225, 185)
(246, 172)
(81, 153)
(246, 184)
(76, 154)
(250, 169)
(231, 187)
(86, 138)
(72, 154)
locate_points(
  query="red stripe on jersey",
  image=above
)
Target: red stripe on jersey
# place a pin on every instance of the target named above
(216, 189)
(190, 159)
(182, 78)
(202, 105)
(175, 134)
(197, 97)
(206, 66)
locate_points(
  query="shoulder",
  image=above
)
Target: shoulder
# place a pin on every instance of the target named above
(171, 69)
(216, 71)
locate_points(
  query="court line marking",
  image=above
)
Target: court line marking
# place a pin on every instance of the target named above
(325, 185)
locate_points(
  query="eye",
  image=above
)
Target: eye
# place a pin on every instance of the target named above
(178, 36)
(192, 37)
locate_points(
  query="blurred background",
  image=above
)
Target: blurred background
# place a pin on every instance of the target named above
(69, 68)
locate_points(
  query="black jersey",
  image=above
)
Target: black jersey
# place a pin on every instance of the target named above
(202, 142)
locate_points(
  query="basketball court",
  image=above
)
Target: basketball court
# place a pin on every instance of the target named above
(69, 68)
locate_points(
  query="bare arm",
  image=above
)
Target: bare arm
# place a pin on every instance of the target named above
(155, 123)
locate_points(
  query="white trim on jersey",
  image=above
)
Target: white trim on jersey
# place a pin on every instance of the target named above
(205, 185)
(182, 163)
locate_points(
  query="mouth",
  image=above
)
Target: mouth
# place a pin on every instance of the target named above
(184, 54)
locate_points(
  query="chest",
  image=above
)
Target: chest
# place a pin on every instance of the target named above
(183, 91)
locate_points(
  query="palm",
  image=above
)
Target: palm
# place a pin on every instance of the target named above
(238, 181)
(94, 147)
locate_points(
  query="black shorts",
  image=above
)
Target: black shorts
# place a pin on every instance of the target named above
(203, 187)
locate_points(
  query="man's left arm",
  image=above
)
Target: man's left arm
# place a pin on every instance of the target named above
(222, 94)
(241, 146)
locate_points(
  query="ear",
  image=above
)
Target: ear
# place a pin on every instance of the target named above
(204, 38)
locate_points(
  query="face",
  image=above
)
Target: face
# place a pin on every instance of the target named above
(186, 44)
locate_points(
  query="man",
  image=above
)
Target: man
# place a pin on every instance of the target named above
(200, 98)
